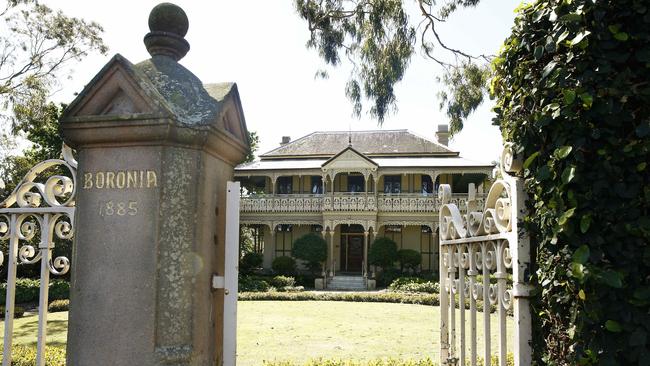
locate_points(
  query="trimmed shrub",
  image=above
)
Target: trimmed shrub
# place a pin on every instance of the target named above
(389, 297)
(283, 281)
(26, 356)
(312, 249)
(381, 362)
(250, 261)
(387, 276)
(409, 259)
(252, 284)
(18, 311)
(27, 290)
(285, 266)
(305, 280)
(383, 253)
(58, 305)
(414, 284)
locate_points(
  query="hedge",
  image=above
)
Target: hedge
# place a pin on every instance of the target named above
(27, 290)
(572, 95)
(380, 362)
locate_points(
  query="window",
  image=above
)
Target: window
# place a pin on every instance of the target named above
(394, 233)
(427, 249)
(283, 240)
(427, 185)
(355, 183)
(392, 184)
(316, 184)
(285, 185)
(316, 229)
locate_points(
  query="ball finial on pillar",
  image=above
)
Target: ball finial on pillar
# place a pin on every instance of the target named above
(168, 25)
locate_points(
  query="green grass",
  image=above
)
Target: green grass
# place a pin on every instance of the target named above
(301, 330)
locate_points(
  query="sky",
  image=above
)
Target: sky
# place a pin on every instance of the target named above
(260, 45)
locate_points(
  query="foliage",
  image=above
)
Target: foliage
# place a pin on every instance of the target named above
(36, 45)
(389, 297)
(408, 259)
(19, 311)
(27, 290)
(386, 276)
(26, 356)
(58, 305)
(306, 280)
(414, 284)
(283, 281)
(250, 261)
(254, 142)
(252, 284)
(382, 362)
(284, 265)
(383, 253)
(572, 94)
(311, 248)
(379, 39)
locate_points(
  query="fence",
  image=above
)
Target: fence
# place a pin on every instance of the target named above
(486, 242)
(39, 210)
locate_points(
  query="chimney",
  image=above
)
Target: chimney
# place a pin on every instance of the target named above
(285, 140)
(442, 135)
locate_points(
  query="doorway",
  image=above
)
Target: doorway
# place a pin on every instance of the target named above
(351, 249)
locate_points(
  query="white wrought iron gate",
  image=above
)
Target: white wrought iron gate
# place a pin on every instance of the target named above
(486, 242)
(36, 212)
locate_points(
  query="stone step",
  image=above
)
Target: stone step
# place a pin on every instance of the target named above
(346, 283)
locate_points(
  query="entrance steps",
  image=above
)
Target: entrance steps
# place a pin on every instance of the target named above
(347, 283)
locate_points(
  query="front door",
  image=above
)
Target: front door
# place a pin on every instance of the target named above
(351, 252)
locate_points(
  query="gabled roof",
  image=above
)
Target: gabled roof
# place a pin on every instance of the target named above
(354, 153)
(384, 143)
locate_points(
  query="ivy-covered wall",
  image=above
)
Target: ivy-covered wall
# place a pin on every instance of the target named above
(572, 88)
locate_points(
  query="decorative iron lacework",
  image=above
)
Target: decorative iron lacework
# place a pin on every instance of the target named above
(40, 207)
(485, 242)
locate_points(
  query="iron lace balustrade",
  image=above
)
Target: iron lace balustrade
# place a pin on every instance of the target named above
(34, 213)
(486, 242)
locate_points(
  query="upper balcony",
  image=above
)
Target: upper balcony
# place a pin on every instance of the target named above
(346, 202)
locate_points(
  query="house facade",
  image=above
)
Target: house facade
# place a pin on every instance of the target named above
(352, 187)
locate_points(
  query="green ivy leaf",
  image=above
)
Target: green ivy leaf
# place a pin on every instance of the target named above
(569, 96)
(585, 222)
(568, 174)
(577, 39)
(566, 215)
(587, 100)
(539, 52)
(530, 159)
(548, 69)
(582, 295)
(581, 255)
(641, 166)
(621, 36)
(578, 270)
(562, 152)
(612, 279)
(613, 326)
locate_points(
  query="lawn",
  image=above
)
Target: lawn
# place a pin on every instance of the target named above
(300, 330)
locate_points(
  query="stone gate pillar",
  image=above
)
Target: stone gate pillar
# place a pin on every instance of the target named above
(155, 149)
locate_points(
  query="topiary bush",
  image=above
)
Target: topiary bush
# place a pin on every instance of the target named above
(58, 305)
(18, 311)
(250, 261)
(283, 281)
(311, 248)
(383, 253)
(284, 265)
(409, 259)
(59, 290)
(572, 94)
(252, 284)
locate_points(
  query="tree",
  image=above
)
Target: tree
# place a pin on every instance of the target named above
(573, 94)
(408, 259)
(312, 249)
(254, 141)
(36, 46)
(379, 39)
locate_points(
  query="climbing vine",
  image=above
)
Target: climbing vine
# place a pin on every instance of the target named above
(572, 90)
